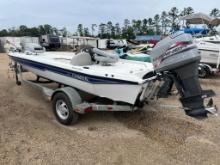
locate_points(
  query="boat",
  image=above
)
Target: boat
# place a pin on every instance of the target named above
(77, 71)
(125, 82)
(210, 53)
(208, 46)
(215, 39)
(202, 33)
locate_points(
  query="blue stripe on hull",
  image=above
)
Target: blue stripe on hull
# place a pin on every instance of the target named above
(70, 73)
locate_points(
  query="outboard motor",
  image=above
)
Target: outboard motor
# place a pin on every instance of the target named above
(176, 58)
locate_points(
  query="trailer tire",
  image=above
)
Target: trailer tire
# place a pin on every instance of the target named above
(203, 73)
(63, 109)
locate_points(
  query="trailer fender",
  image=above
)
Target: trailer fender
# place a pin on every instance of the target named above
(71, 93)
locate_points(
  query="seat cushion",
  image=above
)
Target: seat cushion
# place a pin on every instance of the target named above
(81, 59)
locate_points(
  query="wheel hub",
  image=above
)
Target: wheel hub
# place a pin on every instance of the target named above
(62, 109)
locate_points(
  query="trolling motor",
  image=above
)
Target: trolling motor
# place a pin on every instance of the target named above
(176, 58)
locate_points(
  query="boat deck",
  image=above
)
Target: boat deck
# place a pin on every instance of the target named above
(123, 69)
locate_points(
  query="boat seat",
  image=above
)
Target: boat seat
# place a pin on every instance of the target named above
(104, 57)
(81, 59)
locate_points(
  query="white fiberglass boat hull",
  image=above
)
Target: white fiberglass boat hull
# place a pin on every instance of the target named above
(120, 92)
(212, 39)
(108, 84)
(209, 52)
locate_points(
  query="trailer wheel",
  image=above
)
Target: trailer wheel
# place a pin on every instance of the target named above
(63, 109)
(203, 73)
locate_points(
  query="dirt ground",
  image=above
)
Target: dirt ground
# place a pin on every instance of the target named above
(29, 133)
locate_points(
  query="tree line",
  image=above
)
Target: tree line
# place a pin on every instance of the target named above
(33, 31)
(160, 24)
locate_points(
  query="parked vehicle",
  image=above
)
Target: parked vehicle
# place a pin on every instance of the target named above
(112, 44)
(50, 42)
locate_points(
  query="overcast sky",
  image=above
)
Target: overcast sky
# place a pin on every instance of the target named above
(70, 13)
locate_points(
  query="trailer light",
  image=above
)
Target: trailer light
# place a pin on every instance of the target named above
(88, 109)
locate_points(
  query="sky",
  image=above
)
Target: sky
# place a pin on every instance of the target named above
(70, 13)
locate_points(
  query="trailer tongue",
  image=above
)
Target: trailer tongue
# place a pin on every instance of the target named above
(176, 58)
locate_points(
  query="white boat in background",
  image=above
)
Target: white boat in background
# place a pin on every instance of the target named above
(215, 39)
(209, 46)
(210, 53)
